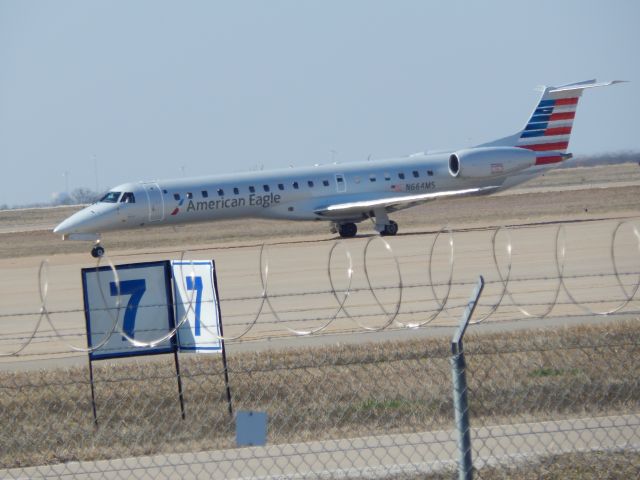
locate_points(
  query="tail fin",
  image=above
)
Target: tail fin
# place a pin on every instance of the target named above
(549, 128)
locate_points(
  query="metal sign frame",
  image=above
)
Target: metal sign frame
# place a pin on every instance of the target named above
(158, 350)
(219, 327)
(182, 344)
(173, 343)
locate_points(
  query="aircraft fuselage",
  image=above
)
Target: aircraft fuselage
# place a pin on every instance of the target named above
(343, 194)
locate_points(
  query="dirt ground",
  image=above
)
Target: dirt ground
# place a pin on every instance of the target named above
(573, 193)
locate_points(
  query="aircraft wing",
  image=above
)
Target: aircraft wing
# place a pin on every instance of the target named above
(393, 203)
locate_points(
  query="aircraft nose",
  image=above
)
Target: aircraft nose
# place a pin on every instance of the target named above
(74, 223)
(66, 226)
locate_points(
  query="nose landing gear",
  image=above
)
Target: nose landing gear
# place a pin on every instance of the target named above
(97, 251)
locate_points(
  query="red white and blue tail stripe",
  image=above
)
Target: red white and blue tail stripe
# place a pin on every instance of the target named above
(547, 131)
(549, 127)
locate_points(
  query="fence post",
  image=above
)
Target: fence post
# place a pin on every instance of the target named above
(460, 404)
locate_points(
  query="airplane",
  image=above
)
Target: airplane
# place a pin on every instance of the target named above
(343, 194)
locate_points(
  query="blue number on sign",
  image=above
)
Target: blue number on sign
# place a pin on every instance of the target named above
(136, 289)
(196, 284)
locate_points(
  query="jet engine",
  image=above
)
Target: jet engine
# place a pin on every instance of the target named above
(487, 162)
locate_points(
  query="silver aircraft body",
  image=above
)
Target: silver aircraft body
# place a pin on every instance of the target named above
(342, 194)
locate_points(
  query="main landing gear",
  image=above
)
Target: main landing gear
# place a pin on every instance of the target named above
(97, 251)
(390, 229)
(384, 226)
(349, 230)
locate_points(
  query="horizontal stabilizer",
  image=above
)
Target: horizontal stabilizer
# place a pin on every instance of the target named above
(583, 85)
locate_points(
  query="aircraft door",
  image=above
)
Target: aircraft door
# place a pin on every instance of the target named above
(341, 183)
(155, 201)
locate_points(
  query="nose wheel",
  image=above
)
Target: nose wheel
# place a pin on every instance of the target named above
(97, 251)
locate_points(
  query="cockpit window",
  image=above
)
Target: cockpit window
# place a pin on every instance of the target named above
(128, 197)
(111, 197)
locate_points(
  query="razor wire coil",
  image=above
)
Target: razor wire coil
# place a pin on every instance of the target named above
(628, 283)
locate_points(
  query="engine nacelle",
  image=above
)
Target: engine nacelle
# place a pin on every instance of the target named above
(487, 162)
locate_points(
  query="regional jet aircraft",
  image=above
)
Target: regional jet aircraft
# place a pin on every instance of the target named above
(343, 194)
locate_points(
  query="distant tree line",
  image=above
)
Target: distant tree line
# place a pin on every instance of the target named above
(79, 196)
(603, 159)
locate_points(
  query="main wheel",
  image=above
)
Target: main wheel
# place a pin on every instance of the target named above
(390, 229)
(347, 230)
(97, 251)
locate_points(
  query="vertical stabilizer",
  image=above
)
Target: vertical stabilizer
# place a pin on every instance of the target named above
(549, 127)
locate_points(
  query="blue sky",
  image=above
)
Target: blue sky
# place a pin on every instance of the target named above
(153, 89)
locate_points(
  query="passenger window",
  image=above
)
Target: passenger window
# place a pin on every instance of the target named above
(189, 195)
(265, 188)
(236, 191)
(252, 189)
(176, 196)
(310, 183)
(220, 192)
(387, 177)
(295, 185)
(128, 197)
(372, 178)
(430, 173)
(401, 176)
(205, 194)
(280, 186)
(325, 183)
(416, 173)
(164, 191)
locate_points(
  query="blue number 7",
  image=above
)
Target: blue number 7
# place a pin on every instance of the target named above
(136, 289)
(198, 288)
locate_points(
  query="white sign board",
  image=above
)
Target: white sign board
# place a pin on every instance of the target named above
(144, 313)
(197, 308)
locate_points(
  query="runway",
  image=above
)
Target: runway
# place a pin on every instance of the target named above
(580, 221)
(415, 284)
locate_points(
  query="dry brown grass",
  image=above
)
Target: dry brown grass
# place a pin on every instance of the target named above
(311, 394)
(572, 466)
(595, 465)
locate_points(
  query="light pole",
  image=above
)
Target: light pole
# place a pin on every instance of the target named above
(95, 172)
(66, 181)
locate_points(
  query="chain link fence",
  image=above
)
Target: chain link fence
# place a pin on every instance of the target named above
(563, 403)
(560, 402)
